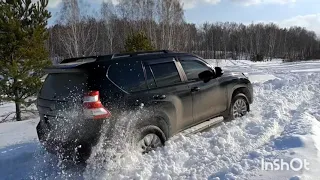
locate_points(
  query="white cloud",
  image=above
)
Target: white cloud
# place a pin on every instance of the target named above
(55, 3)
(188, 4)
(247, 2)
(310, 22)
(99, 1)
(254, 2)
(52, 3)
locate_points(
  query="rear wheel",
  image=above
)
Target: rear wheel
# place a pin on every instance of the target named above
(149, 138)
(149, 142)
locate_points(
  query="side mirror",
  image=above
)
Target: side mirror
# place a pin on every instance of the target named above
(206, 76)
(219, 71)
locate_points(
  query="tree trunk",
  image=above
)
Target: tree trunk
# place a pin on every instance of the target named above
(16, 100)
(18, 111)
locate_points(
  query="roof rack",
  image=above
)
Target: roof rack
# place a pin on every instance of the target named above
(114, 56)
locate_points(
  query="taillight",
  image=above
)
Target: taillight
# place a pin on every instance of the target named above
(93, 108)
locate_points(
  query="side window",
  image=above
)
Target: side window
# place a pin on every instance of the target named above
(165, 74)
(150, 79)
(193, 68)
(128, 76)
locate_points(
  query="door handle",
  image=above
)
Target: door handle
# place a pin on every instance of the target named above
(159, 97)
(195, 89)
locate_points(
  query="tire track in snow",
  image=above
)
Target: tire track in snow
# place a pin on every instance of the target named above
(275, 119)
(285, 139)
(307, 94)
(209, 154)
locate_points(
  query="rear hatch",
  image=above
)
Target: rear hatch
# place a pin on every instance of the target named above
(60, 99)
(64, 86)
(63, 89)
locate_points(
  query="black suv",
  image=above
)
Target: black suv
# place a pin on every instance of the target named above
(178, 90)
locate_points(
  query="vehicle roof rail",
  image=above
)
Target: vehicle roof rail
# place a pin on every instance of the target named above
(120, 55)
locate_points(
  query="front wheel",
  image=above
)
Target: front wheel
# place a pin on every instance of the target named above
(239, 106)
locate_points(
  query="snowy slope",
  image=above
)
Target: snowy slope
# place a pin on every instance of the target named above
(283, 124)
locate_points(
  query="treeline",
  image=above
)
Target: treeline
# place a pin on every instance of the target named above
(79, 32)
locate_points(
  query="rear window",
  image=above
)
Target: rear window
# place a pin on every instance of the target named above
(64, 86)
(128, 76)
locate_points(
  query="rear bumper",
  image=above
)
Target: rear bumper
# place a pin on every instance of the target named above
(69, 141)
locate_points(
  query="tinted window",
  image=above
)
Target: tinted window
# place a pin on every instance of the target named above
(64, 86)
(150, 79)
(128, 76)
(165, 74)
(193, 68)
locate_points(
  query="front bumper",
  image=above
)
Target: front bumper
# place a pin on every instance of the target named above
(250, 87)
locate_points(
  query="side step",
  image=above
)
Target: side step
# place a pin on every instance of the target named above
(202, 126)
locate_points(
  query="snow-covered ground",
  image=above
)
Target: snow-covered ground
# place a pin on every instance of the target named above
(283, 124)
(7, 112)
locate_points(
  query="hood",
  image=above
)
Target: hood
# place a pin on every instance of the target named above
(234, 73)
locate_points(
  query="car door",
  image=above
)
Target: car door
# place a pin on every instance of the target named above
(171, 96)
(129, 77)
(209, 99)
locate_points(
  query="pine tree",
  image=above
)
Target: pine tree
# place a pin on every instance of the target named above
(138, 42)
(23, 53)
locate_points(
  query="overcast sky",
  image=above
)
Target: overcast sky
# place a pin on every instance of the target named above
(305, 13)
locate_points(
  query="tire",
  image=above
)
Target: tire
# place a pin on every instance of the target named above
(239, 107)
(149, 138)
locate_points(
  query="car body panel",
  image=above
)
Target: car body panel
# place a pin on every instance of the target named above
(209, 101)
(179, 105)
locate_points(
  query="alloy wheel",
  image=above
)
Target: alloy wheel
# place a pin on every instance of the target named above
(149, 143)
(239, 108)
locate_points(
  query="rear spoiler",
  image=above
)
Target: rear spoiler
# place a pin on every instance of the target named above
(80, 59)
(66, 67)
(58, 71)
